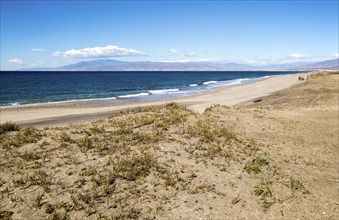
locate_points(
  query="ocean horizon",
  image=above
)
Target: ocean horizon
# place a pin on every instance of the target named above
(21, 88)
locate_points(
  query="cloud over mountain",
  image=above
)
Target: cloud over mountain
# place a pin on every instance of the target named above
(296, 55)
(16, 61)
(190, 54)
(173, 51)
(93, 52)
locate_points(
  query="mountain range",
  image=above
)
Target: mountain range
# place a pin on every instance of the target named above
(115, 65)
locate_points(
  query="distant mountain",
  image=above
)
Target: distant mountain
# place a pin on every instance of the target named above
(287, 66)
(233, 66)
(328, 65)
(115, 65)
(92, 65)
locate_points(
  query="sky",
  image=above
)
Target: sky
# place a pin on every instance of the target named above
(55, 33)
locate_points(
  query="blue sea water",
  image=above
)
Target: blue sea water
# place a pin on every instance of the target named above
(27, 88)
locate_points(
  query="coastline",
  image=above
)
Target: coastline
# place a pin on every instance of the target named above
(64, 114)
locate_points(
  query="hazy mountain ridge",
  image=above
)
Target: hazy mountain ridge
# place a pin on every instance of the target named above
(328, 64)
(115, 65)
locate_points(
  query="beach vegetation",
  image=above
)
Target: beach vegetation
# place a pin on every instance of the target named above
(7, 127)
(209, 131)
(24, 136)
(255, 165)
(65, 137)
(31, 156)
(203, 187)
(265, 194)
(5, 215)
(42, 179)
(111, 168)
(37, 202)
(298, 185)
(134, 166)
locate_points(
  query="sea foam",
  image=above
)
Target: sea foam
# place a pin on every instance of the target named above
(162, 91)
(209, 82)
(133, 95)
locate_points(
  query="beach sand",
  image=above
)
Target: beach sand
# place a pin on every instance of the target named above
(64, 114)
(273, 159)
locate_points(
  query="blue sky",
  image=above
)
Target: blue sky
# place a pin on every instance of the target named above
(55, 33)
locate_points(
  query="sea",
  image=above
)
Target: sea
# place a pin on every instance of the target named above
(23, 88)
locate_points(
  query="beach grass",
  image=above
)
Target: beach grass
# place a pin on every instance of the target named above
(122, 160)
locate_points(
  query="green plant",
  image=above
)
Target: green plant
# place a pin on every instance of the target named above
(255, 166)
(298, 185)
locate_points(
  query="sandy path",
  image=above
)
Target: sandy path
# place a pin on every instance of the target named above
(60, 115)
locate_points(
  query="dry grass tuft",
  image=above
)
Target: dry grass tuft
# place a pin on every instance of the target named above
(7, 127)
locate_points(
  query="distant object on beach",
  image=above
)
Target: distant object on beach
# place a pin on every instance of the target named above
(257, 100)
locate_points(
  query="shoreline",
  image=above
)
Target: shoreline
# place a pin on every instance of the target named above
(142, 95)
(64, 114)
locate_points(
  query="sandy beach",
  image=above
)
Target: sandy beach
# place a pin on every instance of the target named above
(63, 114)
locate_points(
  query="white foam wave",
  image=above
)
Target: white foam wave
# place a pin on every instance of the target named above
(231, 82)
(235, 82)
(192, 85)
(133, 95)
(210, 82)
(18, 104)
(83, 100)
(162, 91)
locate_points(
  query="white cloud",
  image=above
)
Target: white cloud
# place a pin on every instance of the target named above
(16, 61)
(190, 54)
(173, 51)
(296, 55)
(38, 50)
(336, 55)
(108, 51)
